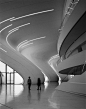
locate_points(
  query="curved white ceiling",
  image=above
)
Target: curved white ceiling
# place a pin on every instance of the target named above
(31, 28)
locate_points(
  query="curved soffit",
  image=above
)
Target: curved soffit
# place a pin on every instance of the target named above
(31, 19)
(78, 29)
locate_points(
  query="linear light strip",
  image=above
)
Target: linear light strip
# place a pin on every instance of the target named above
(26, 45)
(3, 49)
(31, 14)
(8, 36)
(53, 57)
(18, 27)
(13, 30)
(29, 41)
(22, 42)
(7, 20)
(5, 28)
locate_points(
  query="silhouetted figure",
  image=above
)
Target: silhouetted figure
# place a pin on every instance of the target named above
(1, 78)
(39, 84)
(29, 83)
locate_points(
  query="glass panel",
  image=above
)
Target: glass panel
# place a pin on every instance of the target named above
(9, 69)
(18, 79)
(2, 67)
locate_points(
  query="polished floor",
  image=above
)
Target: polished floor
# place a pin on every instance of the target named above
(18, 97)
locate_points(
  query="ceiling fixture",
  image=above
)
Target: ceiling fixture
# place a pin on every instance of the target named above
(32, 14)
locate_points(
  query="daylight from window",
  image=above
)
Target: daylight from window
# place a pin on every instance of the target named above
(12, 75)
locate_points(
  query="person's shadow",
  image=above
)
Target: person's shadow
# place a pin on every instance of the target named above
(39, 95)
(0, 88)
(29, 96)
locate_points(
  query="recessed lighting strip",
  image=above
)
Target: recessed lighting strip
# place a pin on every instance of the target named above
(7, 20)
(5, 28)
(13, 30)
(53, 57)
(18, 27)
(8, 36)
(26, 45)
(18, 47)
(22, 42)
(3, 49)
(31, 14)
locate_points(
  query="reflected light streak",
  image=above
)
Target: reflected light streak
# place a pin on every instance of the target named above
(53, 105)
(11, 91)
(18, 90)
(51, 65)
(5, 28)
(19, 46)
(32, 14)
(18, 27)
(46, 78)
(46, 84)
(7, 20)
(3, 49)
(53, 57)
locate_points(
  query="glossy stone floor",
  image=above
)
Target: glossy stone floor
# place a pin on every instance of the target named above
(18, 97)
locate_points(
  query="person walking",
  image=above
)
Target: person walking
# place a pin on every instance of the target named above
(29, 82)
(1, 78)
(39, 84)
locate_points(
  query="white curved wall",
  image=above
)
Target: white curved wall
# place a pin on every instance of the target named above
(41, 64)
(75, 85)
(22, 66)
(54, 65)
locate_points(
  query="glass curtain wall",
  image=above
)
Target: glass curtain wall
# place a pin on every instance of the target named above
(12, 76)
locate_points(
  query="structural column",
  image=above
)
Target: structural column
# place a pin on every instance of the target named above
(13, 76)
(6, 72)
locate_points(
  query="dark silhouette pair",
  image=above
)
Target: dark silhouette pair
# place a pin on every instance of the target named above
(29, 82)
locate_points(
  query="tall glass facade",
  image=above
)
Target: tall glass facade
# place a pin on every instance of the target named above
(12, 76)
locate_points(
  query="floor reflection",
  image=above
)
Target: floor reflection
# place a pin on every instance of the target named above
(64, 100)
(39, 95)
(19, 97)
(8, 92)
(46, 85)
(29, 96)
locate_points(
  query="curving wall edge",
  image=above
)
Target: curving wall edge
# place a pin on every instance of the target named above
(77, 59)
(73, 18)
